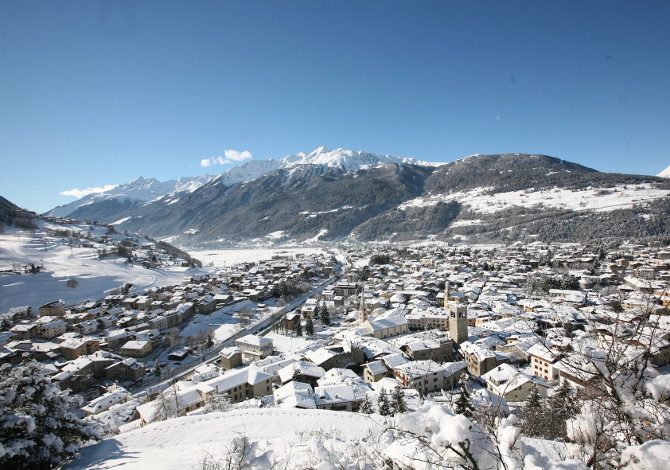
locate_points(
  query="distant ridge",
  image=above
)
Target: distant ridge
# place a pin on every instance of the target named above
(322, 195)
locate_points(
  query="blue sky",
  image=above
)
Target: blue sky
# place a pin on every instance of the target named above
(95, 93)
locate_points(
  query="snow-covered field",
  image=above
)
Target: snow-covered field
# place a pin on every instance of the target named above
(181, 443)
(289, 344)
(597, 199)
(222, 258)
(222, 322)
(61, 262)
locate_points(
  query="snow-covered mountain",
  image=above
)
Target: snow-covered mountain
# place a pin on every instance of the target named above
(347, 160)
(139, 189)
(665, 173)
(151, 189)
(337, 194)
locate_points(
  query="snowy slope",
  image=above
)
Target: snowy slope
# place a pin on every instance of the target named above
(62, 262)
(665, 173)
(180, 443)
(482, 201)
(348, 160)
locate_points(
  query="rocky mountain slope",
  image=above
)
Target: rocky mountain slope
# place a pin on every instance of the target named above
(330, 195)
(11, 214)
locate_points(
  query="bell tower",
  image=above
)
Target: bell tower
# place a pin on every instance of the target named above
(362, 310)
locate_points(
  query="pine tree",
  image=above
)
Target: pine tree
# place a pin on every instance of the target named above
(325, 316)
(366, 406)
(534, 416)
(463, 405)
(309, 326)
(383, 405)
(561, 408)
(38, 424)
(298, 328)
(398, 398)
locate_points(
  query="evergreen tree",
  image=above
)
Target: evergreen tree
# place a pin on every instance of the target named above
(534, 416)
(561, 408)
(398, 398)
(366, 406)
(463, 405)
(325, 316)
(38, 424)
(298, 328)
(309, 326)
(383, 405)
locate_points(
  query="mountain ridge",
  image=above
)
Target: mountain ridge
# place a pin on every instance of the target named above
(340, 194)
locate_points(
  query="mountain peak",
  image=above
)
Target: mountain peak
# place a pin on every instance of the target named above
(665, 173)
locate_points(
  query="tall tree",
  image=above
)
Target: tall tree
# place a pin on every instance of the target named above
(325, 315)
(398, 399)
(38, 424)
(463, 405)
(298, 328)
(366, 406)
(309, 325)
(562, 407)
(383, 405)
(534, 415)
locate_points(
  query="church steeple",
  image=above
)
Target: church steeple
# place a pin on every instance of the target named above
(446, 293)
(362, 310)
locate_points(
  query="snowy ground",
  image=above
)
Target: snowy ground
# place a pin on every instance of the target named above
(223, 322)
(61, 262)
(598, 199)
(222, 258)
(182, 442)
(290, 344)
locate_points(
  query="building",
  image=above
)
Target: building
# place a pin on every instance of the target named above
(510, 383)
(458, 322)
(391, 325)
(239, 384)
(423, 376)
(52, 309)
(255, 347)
(74, 347)
(230, 358)
(480, 360)
(375, 371)
(136, 348)
(543, 362)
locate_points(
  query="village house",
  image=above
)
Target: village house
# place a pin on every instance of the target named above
(424, 376)
(126, 369)
(543, 362)
(508, 382)
(239, 384)
(75, 347)
(52, 309)
(480, 360)
(230, 358)
(137, 348)
(255, 347)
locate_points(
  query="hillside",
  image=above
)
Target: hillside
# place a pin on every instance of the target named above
(73, 252)
(332, 195)
(184, 442)
(11, 214)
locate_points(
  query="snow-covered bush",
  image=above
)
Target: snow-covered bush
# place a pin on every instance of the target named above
(38, 425)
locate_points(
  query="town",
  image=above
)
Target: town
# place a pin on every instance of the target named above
(365, 328)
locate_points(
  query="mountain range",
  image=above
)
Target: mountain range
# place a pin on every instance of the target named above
(340, 194)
